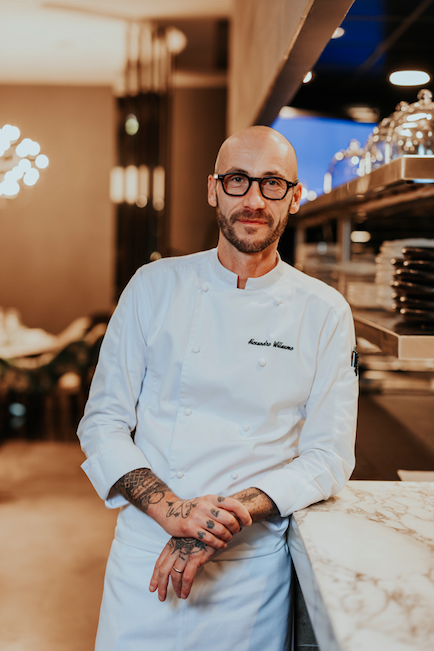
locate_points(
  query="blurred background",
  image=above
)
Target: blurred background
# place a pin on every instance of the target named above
(111, 115)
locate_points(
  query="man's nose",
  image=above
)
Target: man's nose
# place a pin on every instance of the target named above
(254, 199)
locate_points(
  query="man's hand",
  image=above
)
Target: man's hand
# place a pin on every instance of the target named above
(211, 519)
(188, 554)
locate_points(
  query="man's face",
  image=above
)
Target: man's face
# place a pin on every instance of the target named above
(252, 223)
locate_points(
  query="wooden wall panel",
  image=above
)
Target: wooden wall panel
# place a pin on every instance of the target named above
(273, 44)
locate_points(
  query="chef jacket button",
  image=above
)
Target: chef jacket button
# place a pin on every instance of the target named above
(262, 362)
(180, 474)
(234, 475)
(277, 301)
(196, 349)
(205, 287)
(246, 427)
(188, 411)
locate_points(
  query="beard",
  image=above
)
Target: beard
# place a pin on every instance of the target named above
(244, 244)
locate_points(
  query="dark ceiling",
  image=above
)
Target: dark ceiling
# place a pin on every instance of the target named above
(381, 36)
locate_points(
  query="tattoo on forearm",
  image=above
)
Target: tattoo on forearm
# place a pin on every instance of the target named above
(210, 524)
(186, 546)
(142, 488)
(215, 513)
(249, 495)
(260, 506)
(182, 508)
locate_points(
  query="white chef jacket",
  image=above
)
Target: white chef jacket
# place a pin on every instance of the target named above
(226, 389)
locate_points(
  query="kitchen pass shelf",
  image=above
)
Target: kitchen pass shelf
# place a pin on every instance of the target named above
(405, 179)
(393, 336)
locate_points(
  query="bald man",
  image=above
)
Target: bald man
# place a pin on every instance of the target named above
(234, 371)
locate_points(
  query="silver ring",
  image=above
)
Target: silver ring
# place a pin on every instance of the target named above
(179, 571)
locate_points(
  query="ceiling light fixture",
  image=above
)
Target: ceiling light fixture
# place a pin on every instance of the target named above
(339, 31)
(409, 78)
(16, 160)
(307, 77)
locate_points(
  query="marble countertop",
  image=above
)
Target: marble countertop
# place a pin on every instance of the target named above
(364, 560)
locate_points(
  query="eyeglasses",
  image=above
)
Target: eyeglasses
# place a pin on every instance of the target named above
(271, 187)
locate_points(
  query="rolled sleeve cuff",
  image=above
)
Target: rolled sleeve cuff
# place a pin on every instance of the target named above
(105, 468)
(288, 490)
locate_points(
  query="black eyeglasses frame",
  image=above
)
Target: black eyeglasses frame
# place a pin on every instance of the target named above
(289, 184)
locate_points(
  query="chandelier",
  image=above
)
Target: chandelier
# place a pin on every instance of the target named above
(20, 161)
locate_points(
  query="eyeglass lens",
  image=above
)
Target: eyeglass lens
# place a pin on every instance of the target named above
(238, 184)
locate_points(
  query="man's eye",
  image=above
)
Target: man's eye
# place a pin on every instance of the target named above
(236, 179)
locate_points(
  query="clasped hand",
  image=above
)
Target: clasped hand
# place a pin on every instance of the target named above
(199, 528)
(211, 519)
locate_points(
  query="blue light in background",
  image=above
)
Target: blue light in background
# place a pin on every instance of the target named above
(316, 140)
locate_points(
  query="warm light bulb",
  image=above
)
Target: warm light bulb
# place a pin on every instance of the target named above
(33, 148)
(10, 188)
(41, 161)
(11, 133)
(31, 177)
(24, 164)
(409, 78)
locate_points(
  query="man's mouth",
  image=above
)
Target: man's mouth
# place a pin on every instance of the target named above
(259, 220)
(247, 220)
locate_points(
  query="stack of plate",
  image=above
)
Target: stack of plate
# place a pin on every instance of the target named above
(384, 274)
(413, 284)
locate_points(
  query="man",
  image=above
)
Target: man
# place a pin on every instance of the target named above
(234, 370)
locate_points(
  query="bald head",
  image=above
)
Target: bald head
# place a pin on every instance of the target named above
(258, 146)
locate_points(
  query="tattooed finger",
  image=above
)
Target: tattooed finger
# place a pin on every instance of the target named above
(220, 499)
(201, 534)
(215, 513)
(210, 524)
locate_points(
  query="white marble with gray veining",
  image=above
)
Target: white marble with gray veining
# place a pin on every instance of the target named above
(364, 560)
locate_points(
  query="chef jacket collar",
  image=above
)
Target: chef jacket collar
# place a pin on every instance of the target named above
(230, 278)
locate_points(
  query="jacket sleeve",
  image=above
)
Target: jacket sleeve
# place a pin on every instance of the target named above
(110, 414)
(326, 445)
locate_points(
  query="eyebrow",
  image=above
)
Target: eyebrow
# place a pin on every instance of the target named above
(234, 170)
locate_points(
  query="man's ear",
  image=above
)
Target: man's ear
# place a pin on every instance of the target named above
(295, 206)
(212, 191)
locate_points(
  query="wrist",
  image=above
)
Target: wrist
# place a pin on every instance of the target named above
(159, 510)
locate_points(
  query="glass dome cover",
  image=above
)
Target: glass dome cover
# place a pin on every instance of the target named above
(378, 148)
(414, 129)
(343, 166)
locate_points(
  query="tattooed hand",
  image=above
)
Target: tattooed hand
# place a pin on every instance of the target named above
(213, 519)
(188, 554)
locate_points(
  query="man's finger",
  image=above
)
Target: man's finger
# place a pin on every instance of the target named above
(207, 538)
(227, 519)
(154, 579)
(235, 507)
(188, 578)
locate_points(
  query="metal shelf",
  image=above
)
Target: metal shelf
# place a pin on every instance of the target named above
(409, 178)
(392, 336)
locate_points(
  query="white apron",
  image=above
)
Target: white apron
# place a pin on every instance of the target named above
(234, 605)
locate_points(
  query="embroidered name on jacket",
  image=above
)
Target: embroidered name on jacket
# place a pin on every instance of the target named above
(276, 344)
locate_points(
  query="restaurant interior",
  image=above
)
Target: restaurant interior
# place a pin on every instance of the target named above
(111, 114)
